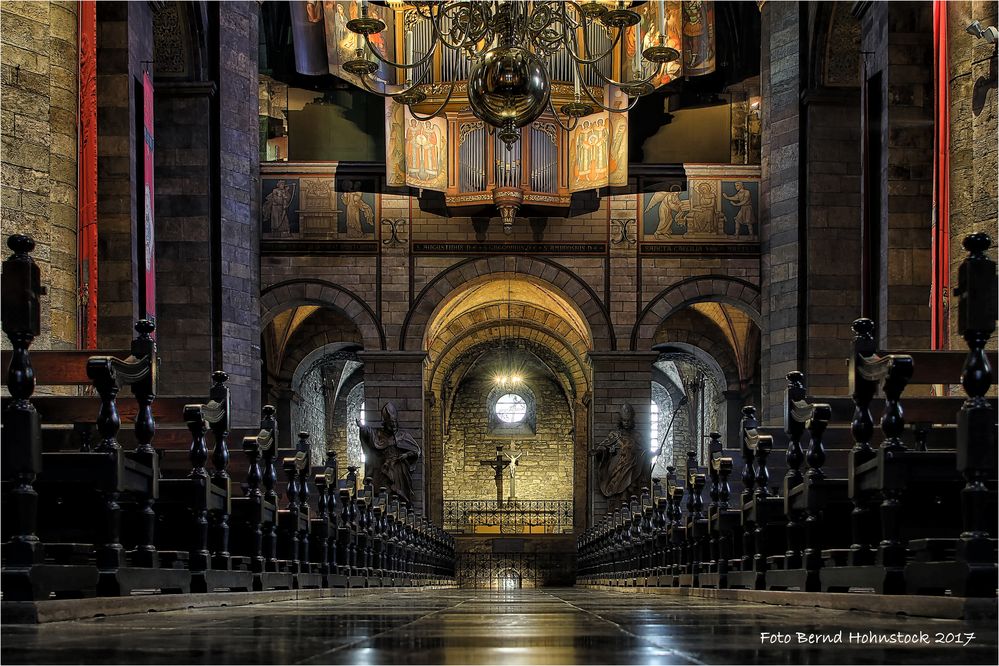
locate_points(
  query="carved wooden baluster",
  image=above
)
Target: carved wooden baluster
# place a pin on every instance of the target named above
(816, 458)
(252, 451)
(324, 556)
(748, 454)
(724, 488)
(900, 369)
(110, 554)
(976, 434)
(812, 554)
(251, 448)
(219, 394)
(794, 428)
(332, 473)
(893, 425)
(763, 448)
(291, 492)
(302, 470)
(352, 479)
(863, 527)
(101, 373)
(292, 550)
(268, 454)
(345, 539)
(21, 290)
(715, 448)
(198, 453)
(689, 481)
(144, 390)
(698, 505)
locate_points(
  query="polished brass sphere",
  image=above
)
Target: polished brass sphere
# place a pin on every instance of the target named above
(509, 85)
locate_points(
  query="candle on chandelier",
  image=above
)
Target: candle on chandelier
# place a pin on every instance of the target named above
(409, 57)
(638, 48)
(662, 20)
(575, 80)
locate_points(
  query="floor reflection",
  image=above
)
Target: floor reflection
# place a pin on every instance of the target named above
(485, 627)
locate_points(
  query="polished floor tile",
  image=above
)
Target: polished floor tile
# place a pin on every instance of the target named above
(558, 626)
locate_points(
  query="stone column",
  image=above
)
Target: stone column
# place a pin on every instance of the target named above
(779, 200)
(618, 377)
(733, 415)
(124, 42)
(284, 398)
(397, 376)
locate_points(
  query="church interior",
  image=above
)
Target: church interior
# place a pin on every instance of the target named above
(489, 331)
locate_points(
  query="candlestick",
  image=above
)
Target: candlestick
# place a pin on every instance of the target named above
(662, 20)
(575, 81)
(638, 49)
(409, 57)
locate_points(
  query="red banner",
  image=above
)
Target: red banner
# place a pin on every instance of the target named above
(148, 192)
(87, 176)
(940, 285)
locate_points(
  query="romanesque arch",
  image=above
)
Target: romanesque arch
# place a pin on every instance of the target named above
(309, 291)
(567, 283)
(718, 288)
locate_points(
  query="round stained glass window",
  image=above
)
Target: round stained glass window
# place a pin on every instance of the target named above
(510, 408)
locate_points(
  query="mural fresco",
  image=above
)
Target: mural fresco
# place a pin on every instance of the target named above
(319, 207)
(279, 206)
(713, 209)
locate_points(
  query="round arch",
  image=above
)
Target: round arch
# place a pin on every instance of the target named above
(452, 282)
(307, 291)
(718, 288)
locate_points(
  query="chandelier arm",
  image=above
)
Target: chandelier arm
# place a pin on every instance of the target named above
(467, 41)
(631, 103)
(622, 84)
(428, 56)
(569, 41)
(438, 110)
(418, 83)
(567, 128)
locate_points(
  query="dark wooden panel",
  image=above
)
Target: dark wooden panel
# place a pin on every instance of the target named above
(63, 367)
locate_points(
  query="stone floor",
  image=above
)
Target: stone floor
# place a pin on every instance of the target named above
(557, 626)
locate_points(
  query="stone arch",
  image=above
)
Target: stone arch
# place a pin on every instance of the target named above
(719, 288)
(445, 284)
(180, 41)
(835, 40)
(309, 291)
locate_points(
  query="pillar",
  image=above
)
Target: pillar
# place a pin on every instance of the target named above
(621, 377)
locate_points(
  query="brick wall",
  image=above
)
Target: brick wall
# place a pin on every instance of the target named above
(38, 142)
(545, 471)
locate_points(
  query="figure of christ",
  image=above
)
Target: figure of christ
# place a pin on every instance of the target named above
(514, 459)
(498, 464)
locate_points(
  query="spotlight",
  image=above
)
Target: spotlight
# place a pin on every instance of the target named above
(989, 34)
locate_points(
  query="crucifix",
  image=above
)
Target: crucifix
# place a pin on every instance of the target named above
(513, 458)
(498, 464)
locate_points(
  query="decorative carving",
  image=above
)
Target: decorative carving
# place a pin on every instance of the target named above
(624, 232)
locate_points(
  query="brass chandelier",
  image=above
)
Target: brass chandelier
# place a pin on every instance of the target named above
(511, 46)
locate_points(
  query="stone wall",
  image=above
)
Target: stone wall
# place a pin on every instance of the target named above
(973, 135)
(308, 413)
(544, 472)
(38, 142)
